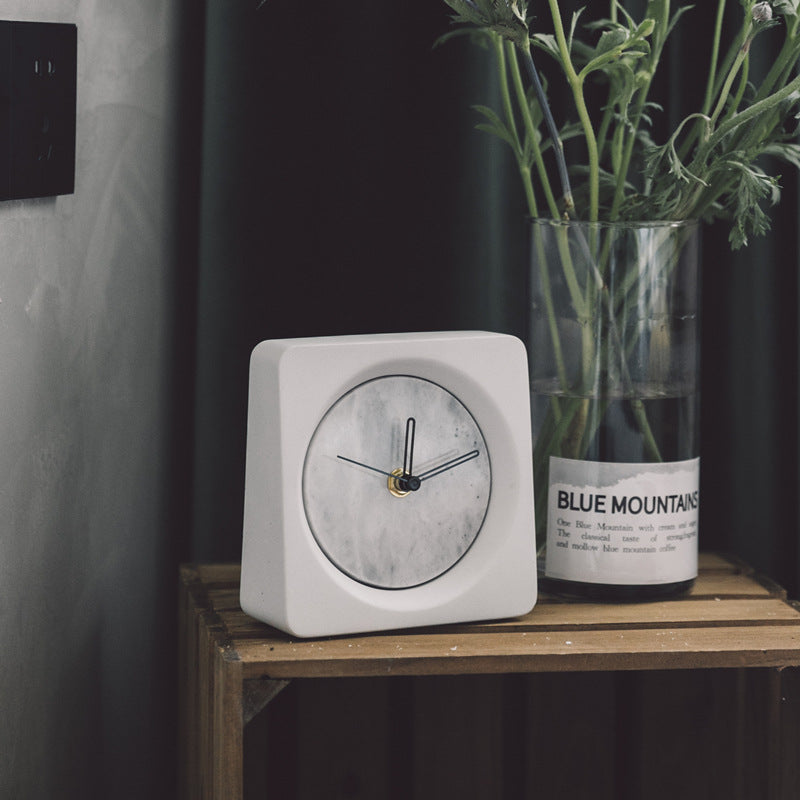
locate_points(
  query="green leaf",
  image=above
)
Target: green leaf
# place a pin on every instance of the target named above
(611, 39)
(615, 45)
(751, 186)
(548, 43)
(508, 18)
(623, 83)
(574, 24)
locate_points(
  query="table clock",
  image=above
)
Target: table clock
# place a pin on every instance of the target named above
(388, 482)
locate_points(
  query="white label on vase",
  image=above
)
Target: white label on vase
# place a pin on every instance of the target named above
(632, 524)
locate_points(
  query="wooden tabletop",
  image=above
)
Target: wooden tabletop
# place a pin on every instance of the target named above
(732, 618)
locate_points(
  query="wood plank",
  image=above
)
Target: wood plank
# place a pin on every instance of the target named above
(230, 573)
(214, 705)
(581, 650)
(728, 601)
(728, 588)
(725, 584)
(603, 711)
(219, 574)
(706, 562)
(188, 690)
(767, 611)
(224, 597)
(560, 617)
(203, 740)
(227, 727)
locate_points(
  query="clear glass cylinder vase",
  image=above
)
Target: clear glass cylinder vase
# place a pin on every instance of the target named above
(613, 342)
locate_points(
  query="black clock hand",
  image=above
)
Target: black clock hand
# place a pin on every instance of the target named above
(366, 466)
(411, 425)
(462, 459)
(408, 454)
(405, 483)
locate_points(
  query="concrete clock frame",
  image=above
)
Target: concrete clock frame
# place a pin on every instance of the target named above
(339, 535)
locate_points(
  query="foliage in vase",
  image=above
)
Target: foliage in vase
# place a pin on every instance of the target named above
(708, 167)
(609, 343)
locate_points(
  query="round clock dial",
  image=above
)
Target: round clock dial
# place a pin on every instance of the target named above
(396, 482)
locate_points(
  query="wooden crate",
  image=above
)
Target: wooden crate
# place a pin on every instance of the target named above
(696, 697)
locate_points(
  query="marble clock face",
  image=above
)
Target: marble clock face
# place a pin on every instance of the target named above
(396, 482)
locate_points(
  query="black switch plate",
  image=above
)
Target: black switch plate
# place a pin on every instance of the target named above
(38, 93)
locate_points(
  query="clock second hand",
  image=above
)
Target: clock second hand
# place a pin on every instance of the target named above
(366, 466)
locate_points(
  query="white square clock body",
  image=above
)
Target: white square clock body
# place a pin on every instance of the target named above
(388, 482)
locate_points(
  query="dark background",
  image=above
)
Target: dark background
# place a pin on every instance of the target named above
(345, 190)
(333, 183)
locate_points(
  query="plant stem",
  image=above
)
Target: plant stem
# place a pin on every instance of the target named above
(734, 70)
(552, 323)
(783, 64)
(748, 114)
(699, 130)
(576, 84)
(712, 70)
(700, 199)
(619, 192)
(737, 99)
(508, 110)
(530, 128)
(558, 145)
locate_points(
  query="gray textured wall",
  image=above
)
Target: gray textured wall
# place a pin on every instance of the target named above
(85, 335)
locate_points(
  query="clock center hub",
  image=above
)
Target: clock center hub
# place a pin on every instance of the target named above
(400, 484)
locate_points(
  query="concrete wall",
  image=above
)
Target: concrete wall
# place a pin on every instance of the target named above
(85, 340)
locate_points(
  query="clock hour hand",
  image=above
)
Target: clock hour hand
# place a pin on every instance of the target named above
(455, 462)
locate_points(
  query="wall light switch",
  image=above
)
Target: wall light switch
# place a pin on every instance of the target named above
(38, 92)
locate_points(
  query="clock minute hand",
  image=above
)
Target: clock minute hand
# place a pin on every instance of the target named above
(455, 462)
(408, 453)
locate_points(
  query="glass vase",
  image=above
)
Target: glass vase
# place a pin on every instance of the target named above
(613, 342)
